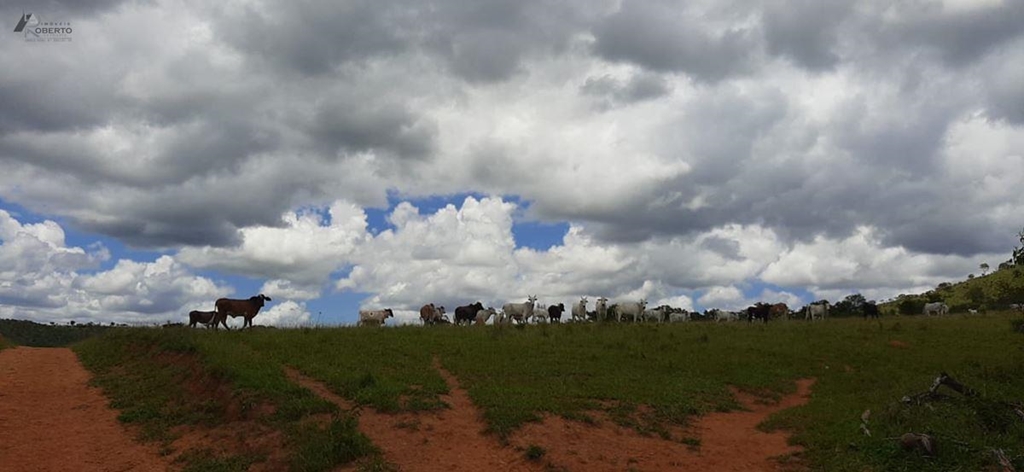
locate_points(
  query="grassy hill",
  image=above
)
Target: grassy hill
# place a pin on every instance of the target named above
(648, 377)
(996, 291)
(29, 333)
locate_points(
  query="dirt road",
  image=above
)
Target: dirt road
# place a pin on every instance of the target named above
(52, 420)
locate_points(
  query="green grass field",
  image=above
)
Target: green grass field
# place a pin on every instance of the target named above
(515, 374)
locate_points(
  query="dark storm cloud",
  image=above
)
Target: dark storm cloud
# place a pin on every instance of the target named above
(727, 248)
(487, 41)
(656, 36)
(960, 37)
(316, 37)
(55, 103)
(350, 124)
(805, 30)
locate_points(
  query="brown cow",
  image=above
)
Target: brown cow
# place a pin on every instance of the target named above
(431, 314)
(779, 310)
(247, 308)
(205, 317)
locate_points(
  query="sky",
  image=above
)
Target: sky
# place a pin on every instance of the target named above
(346, 155)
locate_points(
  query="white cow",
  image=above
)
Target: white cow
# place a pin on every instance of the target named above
(374, 317)
(483, 315)
(678, 317)
(817, 311)
(540, 312)
(579, 310)
(631, 309)
(723, 315)
(602, 309)
(937, 308)
(520, 312)
(655, 315)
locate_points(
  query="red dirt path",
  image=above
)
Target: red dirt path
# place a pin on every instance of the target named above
(453, 439)
(52, 420)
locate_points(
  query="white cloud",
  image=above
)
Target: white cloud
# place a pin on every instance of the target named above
(877, 150)
(45, 281)
(301, 254)
(726, 298)
(287, 313)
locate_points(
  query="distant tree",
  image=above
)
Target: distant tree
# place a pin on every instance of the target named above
(1018, 251)
(848, 306)
(984, 268)
(970, 276)
(910, 306)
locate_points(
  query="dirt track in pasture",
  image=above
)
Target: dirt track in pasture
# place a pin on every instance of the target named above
(52, 420)
(454, 440)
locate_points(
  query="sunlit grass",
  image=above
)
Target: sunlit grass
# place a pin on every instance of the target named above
(679, 371)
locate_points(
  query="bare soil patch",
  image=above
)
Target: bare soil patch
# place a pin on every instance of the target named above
(727, 442)
(438, 441)
(52, 420)
(454, 439)
(896, 343)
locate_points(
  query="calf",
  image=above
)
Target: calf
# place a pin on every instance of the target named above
(483, 315)
(207, 318)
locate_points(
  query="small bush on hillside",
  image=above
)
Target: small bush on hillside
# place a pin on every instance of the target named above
(911, 306)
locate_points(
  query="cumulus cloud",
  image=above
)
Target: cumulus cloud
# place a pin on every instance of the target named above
(689, 145)
(298, 257)
(48, 281)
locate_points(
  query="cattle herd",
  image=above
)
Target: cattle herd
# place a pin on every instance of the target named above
(529, 311)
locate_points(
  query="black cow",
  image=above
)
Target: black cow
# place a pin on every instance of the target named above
(870, 309)
(467, 313)
(555, 312)
(761, 311)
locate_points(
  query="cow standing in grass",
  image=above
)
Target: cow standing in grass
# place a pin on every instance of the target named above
(207, 318)
(555, 312)
(374, 317)
(579, 310)
(520, 312)
(235, 308)
(760, 311)
(869, 309)
(466, 314)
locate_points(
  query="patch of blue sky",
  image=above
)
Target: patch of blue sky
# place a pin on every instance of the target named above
(539, 235)
(335, 308)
